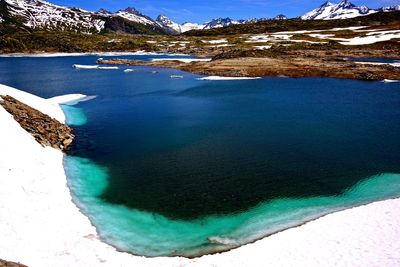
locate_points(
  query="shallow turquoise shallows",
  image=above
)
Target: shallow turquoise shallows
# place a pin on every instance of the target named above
(166, 167)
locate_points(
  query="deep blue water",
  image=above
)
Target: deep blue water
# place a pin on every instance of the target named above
(374, 59)
(185, 167)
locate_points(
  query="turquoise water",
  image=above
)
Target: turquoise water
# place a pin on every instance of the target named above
(185, 167)
(145, 233)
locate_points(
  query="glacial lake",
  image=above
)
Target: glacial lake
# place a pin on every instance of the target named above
(166, 167)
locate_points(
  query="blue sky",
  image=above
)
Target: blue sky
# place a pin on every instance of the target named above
(203, 10)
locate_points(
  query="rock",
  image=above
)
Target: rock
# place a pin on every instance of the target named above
(4, 263)
(46, 130)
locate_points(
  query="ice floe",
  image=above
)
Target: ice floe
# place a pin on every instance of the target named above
(390, 81)
(129, 70)
(78, 66)
(98, 67)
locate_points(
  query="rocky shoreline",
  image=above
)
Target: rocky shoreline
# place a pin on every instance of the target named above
(46, 130)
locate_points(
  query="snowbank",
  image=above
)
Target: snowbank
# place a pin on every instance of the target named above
(71, 99)
(39, 224)
(371, 38)
(362, 236)
(50, 108)
(41, 227)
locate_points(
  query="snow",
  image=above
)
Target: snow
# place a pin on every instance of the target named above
(306, 41)
(108, 68)
(363, 236)
(71, 99)
(220, 41)
(39, 224)
(41, 227)
(136, 18)
(168, 23)
(221, 45)
(280, 37)
(113, 41)
(129, 70)
(221, 78)
(370, 38)
(77, 66)
(397, 64)
(262, 47)
(321, 36)
(185, 60)
(50, 108)
(97, 67)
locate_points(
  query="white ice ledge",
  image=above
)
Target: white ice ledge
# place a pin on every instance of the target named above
(222, 78)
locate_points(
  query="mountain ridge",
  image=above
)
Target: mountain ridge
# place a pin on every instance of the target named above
(43, 15)
(343, 10)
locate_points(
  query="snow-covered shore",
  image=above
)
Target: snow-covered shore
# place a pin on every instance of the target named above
(40, 226)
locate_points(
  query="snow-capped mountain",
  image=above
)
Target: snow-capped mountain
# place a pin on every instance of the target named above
(168, 24)
(220, 22)
(390, 8)
(41, 14)
(343, 10)
(188, 26)
(280, 17)
(132, 14)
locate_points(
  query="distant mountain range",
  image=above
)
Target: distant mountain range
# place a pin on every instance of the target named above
(38, 14)
(343, 10)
